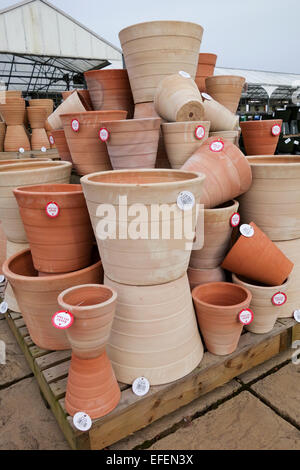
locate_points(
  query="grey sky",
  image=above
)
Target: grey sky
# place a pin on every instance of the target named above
(249, 34)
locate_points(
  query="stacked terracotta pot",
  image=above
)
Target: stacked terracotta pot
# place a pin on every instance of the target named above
(13, 113)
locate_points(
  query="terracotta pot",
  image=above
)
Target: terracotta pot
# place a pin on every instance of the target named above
(232, 136)
(37, 117)
(218, 305)
(13, 112)
(182, 139)
(154, 333)
(18, 161)
(48, 104)
(91, 387)
(16, 138)
(226, 89)
(143, 261)
(39, 139)
(89, 153)
(25, 174)
(177, 98)
(109, 90)
(12, 94)
(2, 247)
(2, 135)
(49, 134)
(156, 49)
(75, 103)
(133, 143)
(221, 119)
(273, 200)
(204, 276)
(62, 243)
(291, 249)
(217, 235)
(9, 296)
(85, 95)
(93, 307)
(206, 68)
(37, 296)
(257, 258)
(61, 144)
(259, 138)
(263, 304)
(228, 173)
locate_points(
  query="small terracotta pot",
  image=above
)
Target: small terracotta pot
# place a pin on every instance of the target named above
(291, 249)
(37, 117)
(75, 103)
(261, 137)
(39, 140)
(204, 276)
(206, 68)
(85, 95)
(60, 141)
(221, 119)
(48, 104)
(2, 135)
(232, 136)
(13, 112)
(257, 258)
(226, 89)
(218, 306)
(228, 173)
(16, 138)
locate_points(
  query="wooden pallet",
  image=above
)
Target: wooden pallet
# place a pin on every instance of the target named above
(134, 413)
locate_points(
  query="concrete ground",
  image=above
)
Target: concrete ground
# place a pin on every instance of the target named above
(258, 410)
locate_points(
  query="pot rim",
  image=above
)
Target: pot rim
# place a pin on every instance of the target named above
(69, 307)
(219, 209)
(181, 123)
(239, 77)
(265, 122)
(8, 170)
(266, 287)
(173, 22)
(223, 307)
(92, 113)
(273, 159)
(27, 190)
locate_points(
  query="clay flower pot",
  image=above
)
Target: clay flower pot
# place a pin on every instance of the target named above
(206, 68)
(89, 153)
(37, 117)
(2, 135)
(85, 95)
(228, 173)
(37, 296)
(256, 257)
(232, 136)
(60, 241)
(177, 98)
(145, 110)
(182, 139)
(145, 258)
(9, 296)
(48, 104)
(217, 235)
(156, 49)
(133, 143)
(13, 112)
(75, 103)
(263, 303)
(261, 137)
(2, 247)
(109, 90)
(61, 144)
(221, 119)
(25, 174)
(226, 89)
(16, 138)
(291, 249)
(154, 333)
(204, 276)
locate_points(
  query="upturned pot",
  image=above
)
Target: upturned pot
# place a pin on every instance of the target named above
(25, 174)
(206, 68)
(151, 256)
(291, 249)
(177, 98)
(232, 136)
(228, 173)
(154, 333)
(218, 306)
(85, 95)
(75, 103)
(37, 296)
(197, 277)
(61, 144)
(256, 257)
(46, 103)
(89, 153)
(110, 89)
(2, 135)
(261, 137)
(221, 119)
(16, 139)
(61, 241)
(156, 49)
(133, 143)
(182, 139)
(226, 89)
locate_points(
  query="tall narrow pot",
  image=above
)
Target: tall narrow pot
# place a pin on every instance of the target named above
(226, 89)
(61, 144)
(16, 139)
(261, 137)
(75, 103)
(221, 119)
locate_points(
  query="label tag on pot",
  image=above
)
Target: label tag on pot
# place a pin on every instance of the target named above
(62, 320)
(186, 201)
(296, 142)
(2, 278)
(206, 96)
(297, 315)
(216, 146)
(235, 219)
(52, 210)
(103, 134)
(199, 132)
(184, 74)
(43, 149)
(3, 307)
(51, 140)
(82, 421)
(247, 230)
(287, 141)
(276, 129)
(279, 298)
(141, 386)
(21, 150)
(75, 125)
(246, 316)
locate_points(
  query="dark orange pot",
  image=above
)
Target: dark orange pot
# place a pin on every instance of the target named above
(259, 138)
(206, 68)
(83, 93)
(61, 144)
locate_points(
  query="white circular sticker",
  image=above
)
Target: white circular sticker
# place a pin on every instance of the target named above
(216, 146)
(247, 230)
(206, 96)
(184, 74)
(51, 140)
(62, 320)
(276, 129)
(43, 149)
(75, 125)
(103, 134)
(235, 219)
(3, 307)
(279, 298)
(82, 421)
(246, 316)
(297, 315)
(21, 150)
(141, 386)
(199, 132)
(186, 201)
(2, 278)
(52, 210)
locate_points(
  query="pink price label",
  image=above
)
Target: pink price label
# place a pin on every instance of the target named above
(279, 298)
(246, 316)
(103, 134)
(276, 129)
(52, 210)
(216, 146)
(51, 139)
(235, 219)
(75, 125)
(62, 320)
(199, 132)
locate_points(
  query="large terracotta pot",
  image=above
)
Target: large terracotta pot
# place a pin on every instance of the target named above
(256, 257)
(61, 144)
(221, 119)
(228, 173)
(218, 306)
(143, 258)
(75, 103)
(177, 98)
(156, 49)
(206, 68)
(204, 276)
(232, 136)
(37, 296)
(60, 241)
(25, 174)
(154, 333)
(85, 95)
(273, 201)
(48, 104)
(110, 89)
(2, 135)
(133, 143)
(182, 139)
(16, 138)
(89, 153)
(9, 296)
(291, 249)
(226, 89)
(261, 137)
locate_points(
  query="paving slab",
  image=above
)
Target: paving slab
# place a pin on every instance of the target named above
(242, 423)
(265, 367)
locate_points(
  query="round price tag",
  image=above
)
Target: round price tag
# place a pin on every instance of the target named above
(216, 146)
(2, 278)
(276, 129)
(75, 125)
(51, 140)
(3, 307)
(141, 386)
(186, 201)
(21, 150)
(82, 421)
(43, 149)
(62, 320)
(235, 219)
(52, 210)
(247, 230)
(184, 74)
(104, 134)
(279, 298)
(297, 315)
(199, 132)
(246, 316)
(206, 96)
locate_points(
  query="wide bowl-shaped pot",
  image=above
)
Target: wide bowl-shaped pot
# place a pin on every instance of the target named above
(204, 276)
(61, 144)
(156, 49)
(16, 138)
(261, 137)
(221, 119)
(75, 103)
(206, 68)
(85, 95)
(46, 103)
(226, 89)
(137, 251)
(291, 249)
(218, 306)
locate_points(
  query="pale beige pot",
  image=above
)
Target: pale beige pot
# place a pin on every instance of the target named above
(25, 174)
(182, 139)
(156, 49)
(154, 332)
(162, 257)
(291, 249)
(73, 104)
(265, 313)
(232, 136)
(221, 119)
(197, 277)
(226, 89)
(9, 296)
